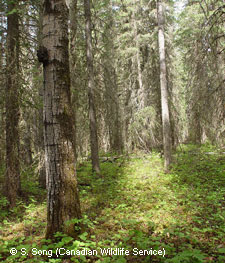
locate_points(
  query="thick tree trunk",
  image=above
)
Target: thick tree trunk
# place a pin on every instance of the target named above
(164, 90)
(91, 88)
(62, 198)
(12, 106)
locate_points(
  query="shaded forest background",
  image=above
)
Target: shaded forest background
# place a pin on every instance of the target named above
(126, 69)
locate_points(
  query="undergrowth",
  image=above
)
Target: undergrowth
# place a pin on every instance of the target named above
(133, 206)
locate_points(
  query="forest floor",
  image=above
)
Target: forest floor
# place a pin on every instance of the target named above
(135, 206)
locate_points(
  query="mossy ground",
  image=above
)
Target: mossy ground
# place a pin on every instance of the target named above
(134, 204)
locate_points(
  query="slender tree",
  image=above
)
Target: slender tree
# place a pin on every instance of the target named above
(40, 130)
(91, 89)
(163, 85)
(73, 60)
(12, 105)
(62, 198)
(2, 91)
(141, 92)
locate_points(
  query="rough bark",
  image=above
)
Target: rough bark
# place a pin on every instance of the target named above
(164, 89)
(91, 88)
(73, 65)
(2, 100)
(41, 146)
(62, 198)
(12, 106)
(40, 130)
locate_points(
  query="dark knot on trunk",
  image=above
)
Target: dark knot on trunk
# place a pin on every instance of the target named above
(42, 55)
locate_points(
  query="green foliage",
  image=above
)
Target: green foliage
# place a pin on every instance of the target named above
(134, 204)
(188, 256)
(11, 12)
(29, 182)
(198, 28)
(3, 205)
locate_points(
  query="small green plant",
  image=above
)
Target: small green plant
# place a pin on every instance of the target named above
(188, 256)
(3, 207)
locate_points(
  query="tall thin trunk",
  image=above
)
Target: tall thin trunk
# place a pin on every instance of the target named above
(12, 105)
(117, 142)
(141, 91)
(40, 131)
(164, 89)
(62, 198)
(91, 88)
(73, 64)
(2, 98)
(27, 143)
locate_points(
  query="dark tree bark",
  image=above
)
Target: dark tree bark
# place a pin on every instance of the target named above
(73, 64)
(62, 198)
(12, 106)
(91, 88)
(164, 89)
(41, 146)
(2, 99)
(40, 130)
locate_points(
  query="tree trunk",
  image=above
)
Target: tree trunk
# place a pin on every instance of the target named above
(62, 198)
(164, 90)
(91, 88)
(12, 106)
(2, 99)
(41, 145)
(73, 64)
(27, 143)
(141, 91)
(117, 137)
(40, 130)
